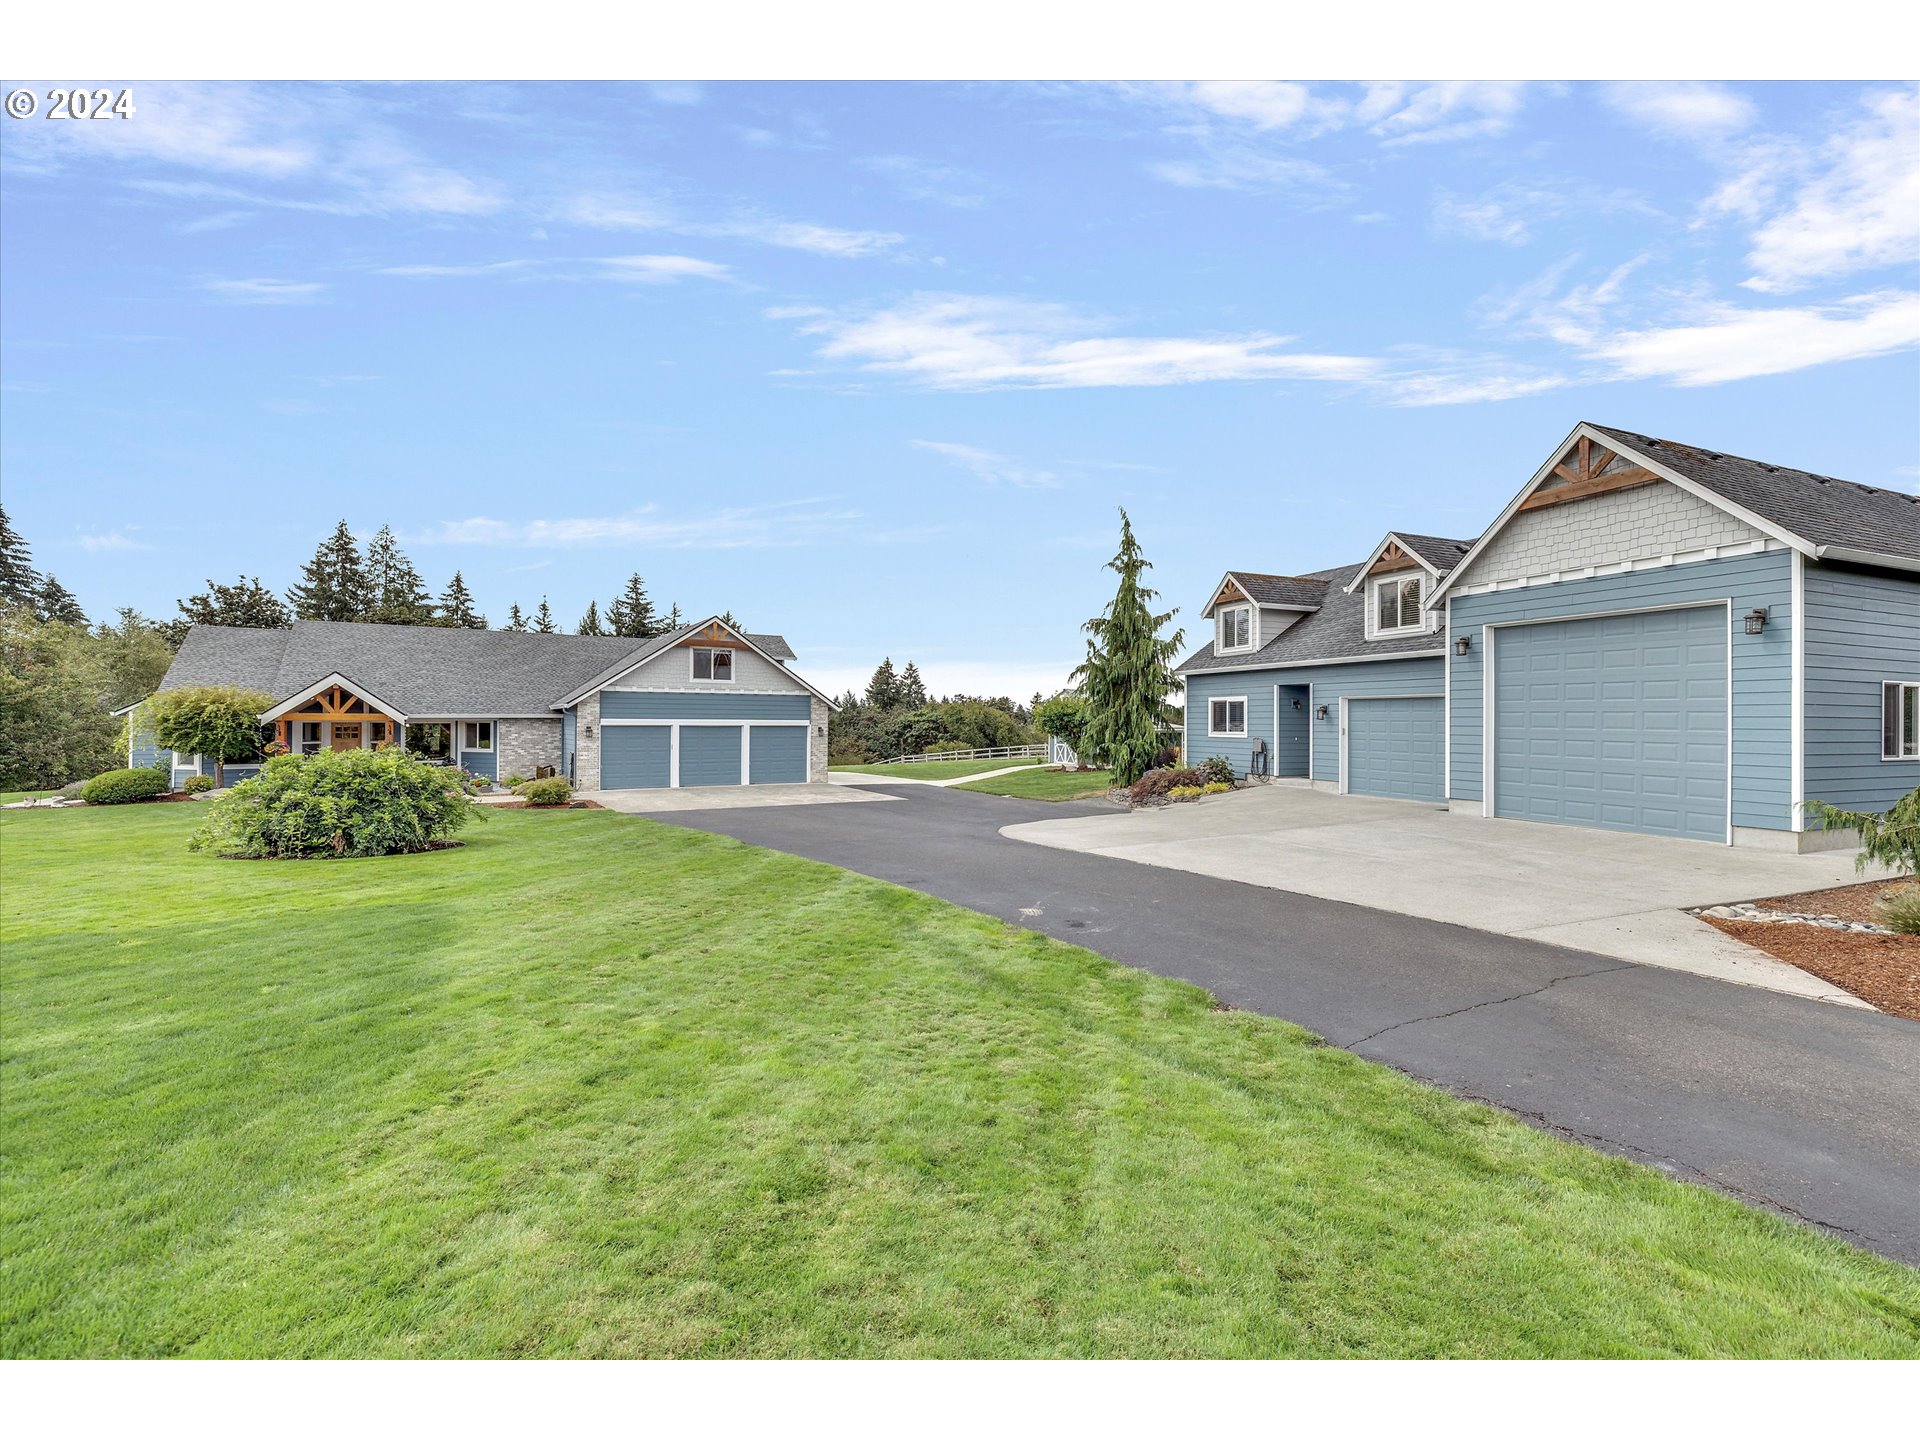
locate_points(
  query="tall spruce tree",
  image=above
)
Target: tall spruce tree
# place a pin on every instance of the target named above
(515, 620)
(590, 622)
(631, 612)
(674, 622)
(396, 595)
(883, 690)
(543, 618)
(726, 618)
(456, 607)
(246, 604)
(19, 581)
(333, 584)
(57, 605)
(1128, 673)
(913, 690)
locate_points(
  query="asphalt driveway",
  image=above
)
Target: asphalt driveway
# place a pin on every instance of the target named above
(1805, 1107)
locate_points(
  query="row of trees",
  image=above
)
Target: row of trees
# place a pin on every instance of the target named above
(896, 716)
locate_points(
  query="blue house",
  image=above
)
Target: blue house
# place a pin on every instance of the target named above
(1650, 637)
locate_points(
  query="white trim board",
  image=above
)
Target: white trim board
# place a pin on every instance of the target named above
(359, 691)
(1393, 537)
(1245, 732)
(1197, 672)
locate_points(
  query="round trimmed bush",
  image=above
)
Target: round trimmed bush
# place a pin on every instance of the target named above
(198, 784)
(555, 790)
(123, 787)
(337, 805)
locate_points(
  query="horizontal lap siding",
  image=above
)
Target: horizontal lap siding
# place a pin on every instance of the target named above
(1862, 629)
(701, 705)
(1421, 675)
(1237, 750)
(1762, 664)
(1333, 683)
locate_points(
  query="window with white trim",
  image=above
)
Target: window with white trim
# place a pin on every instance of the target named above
(1227, 716)
(476, 735)
(1235, 627)
(1394, 605)
(310, 737)
(712, 664)
(1900, 720)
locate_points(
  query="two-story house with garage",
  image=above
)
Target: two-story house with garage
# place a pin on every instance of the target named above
(1650, 637)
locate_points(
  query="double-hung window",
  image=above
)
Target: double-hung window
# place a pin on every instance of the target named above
(1227, 716)
(1900, 720)
(476, 735)
(1396, 605)
(712, 664)
(1236, 627)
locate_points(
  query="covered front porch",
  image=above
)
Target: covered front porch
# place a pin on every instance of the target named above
(338, 714)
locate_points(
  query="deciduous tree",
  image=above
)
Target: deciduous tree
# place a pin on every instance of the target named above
(246, 604)
(222, 721)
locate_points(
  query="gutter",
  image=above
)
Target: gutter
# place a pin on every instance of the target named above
(1865, 557)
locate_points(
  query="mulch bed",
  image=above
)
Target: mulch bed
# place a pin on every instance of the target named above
(1883, 970)
(523, 805)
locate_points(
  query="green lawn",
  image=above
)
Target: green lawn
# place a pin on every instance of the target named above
(934, 769)
(1047, 784)
(592, 1085)
(7, 797)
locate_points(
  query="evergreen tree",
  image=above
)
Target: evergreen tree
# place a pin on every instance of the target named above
(19, 581)
(333, 584)
(515, 620)
(1128, 673)
(456, 607)
(590, 622)
(674, 622)
(246, 604)
(395, 593)
(57, 605)
(726, 618)
(631, 613)
(543, 618)
(883, 690)
(913, 690)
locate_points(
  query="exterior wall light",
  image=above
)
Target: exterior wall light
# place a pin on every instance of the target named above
(1756, 621)
(1321, 712)
(1463, 645)
(1298, 703)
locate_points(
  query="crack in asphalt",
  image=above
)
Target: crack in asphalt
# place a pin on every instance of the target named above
(1485, 1004)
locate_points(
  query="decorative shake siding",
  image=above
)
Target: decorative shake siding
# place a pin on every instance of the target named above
(672, 669)
(525, 745)
(1862, 629)
(1638, 524)
(586, 762)
(1762, 664)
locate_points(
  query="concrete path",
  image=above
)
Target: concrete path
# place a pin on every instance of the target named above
(853, 777)
(1612, 894)
(724, 797)
(1805, 1108)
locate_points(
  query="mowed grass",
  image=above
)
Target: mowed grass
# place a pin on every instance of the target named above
(1046, 784)
(592, 1085)
(7, 797)
(935, 769)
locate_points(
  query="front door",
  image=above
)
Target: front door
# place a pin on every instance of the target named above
(346, 737)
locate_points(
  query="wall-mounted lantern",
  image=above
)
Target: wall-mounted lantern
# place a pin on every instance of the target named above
(1298, 703)
(589, 730)
(1463, 645)
(1756, 621)
(1321, 712)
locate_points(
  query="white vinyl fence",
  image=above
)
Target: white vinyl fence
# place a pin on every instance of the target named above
(998, 752)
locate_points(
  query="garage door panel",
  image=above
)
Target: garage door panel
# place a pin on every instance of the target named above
(1640, 745)
(709, 755)
(779, 755)
(635, 757)
(1394, 747)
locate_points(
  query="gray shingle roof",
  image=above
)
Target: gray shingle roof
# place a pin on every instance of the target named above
(1818, 508)
(1437, 550)
(419, 669)
(1280, 589)
(1337, 630)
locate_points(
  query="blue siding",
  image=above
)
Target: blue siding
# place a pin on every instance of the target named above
(701, 705)
(569, 727)
(778, 756)
(635, 757)
(481, 762)
(1762, 664)
(1862, 629)
(144, 752)
(709, 754)
(1416, 675)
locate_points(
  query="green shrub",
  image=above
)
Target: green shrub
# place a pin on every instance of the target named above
(123, 787)
(1156, 783)
(1893, 839)
(551, 791)
(72, 792)
(198, 784)
(1902, 913)
(335, 805)
(1186, 792)
(514, 782)
(1218, 770)
(1216, 787)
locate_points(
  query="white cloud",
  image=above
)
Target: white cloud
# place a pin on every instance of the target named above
(676, 92)
(1236, 167)
(1860, 211)
(1728, 343)
(1471, 386)
(1266, 104)
(796, 522)
(795, 235)
(972, 342)
(615, 212)
(929, 180)
(663, 269)
(111, 540)
(267, 292)
(1445, 110)
(993, 468)
(1503, 214)
(636, 269)
(1691, 109)
(485, 267)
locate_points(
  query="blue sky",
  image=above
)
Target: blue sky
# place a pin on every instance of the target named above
(873, 364)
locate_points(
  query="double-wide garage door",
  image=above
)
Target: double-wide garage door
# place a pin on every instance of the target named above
(660, 755)
(1618, 721)
(1394, 747)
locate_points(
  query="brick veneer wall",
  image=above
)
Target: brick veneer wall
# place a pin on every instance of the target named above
(527, 744)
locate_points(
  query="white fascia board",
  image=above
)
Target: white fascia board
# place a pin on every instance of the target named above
(359, 690)
(1864, 557)
(1307, 664)
(1392, 538)
(634, 662)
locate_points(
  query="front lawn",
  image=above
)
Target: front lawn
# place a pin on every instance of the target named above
(935, 769)
(8, 797)
(591, 1085)
(1047, 784)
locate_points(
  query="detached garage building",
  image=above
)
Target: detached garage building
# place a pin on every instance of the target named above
(1651, 637)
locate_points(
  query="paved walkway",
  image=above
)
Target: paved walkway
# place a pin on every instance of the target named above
(1614, 894)
(1806, 1108)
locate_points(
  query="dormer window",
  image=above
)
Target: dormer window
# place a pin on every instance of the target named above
(1235, 627)
(1394, 607)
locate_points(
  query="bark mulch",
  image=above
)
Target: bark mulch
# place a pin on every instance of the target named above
(522, 805)
(1883, 970)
